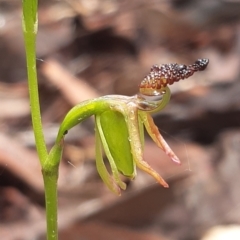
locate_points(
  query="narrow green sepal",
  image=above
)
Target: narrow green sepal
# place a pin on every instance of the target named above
(116, 133)
(101, 168)
(115, 172)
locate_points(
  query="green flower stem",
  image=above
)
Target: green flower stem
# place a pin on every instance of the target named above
(50, 185)
(50, 176)
(29, 24)
(80, 112)
(49, 162)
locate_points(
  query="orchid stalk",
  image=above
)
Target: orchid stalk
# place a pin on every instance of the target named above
(119, 123)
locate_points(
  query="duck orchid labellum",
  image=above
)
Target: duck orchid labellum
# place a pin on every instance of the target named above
(120, 122)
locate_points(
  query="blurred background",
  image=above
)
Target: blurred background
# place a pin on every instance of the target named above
(90, 48)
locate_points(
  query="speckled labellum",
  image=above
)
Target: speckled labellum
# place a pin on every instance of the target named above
(166, 74)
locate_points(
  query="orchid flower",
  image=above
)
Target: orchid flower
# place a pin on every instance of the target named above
(120, 122)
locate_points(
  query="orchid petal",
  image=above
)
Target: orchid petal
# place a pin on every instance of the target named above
(157, 137)
(101, 168)
(115, 132)
(136, 145)
(114, 169)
